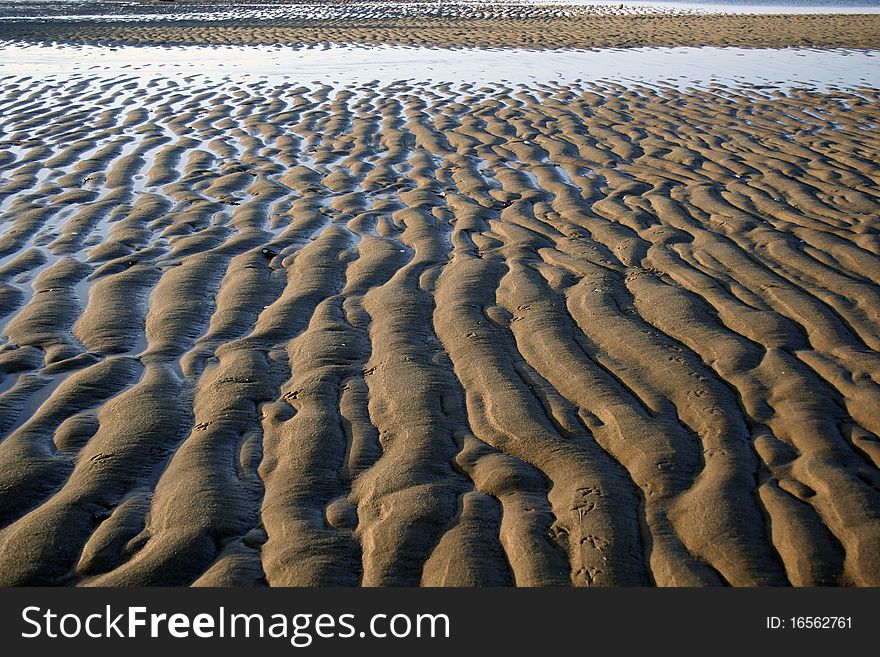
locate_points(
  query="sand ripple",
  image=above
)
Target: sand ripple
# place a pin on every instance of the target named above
(437, 334)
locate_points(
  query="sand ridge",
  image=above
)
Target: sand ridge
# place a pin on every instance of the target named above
(437, 333)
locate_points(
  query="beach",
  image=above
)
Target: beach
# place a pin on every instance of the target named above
(453, 25)
(395, 326)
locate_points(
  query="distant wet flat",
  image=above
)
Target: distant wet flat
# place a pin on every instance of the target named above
(77, 10)
(324, 11)
(532, 25)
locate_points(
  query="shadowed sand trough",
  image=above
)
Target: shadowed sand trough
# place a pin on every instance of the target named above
(450, 334)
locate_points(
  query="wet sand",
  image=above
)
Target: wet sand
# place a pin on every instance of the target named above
(461, 26)
(262, 332)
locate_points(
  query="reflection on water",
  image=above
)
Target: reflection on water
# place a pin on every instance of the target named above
(815, 68)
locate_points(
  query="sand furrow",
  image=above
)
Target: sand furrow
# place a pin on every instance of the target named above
(259, 332)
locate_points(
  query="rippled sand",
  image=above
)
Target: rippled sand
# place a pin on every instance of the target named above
(445, 334)
(447, 25)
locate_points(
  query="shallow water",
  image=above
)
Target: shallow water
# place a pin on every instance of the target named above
(681, 66)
